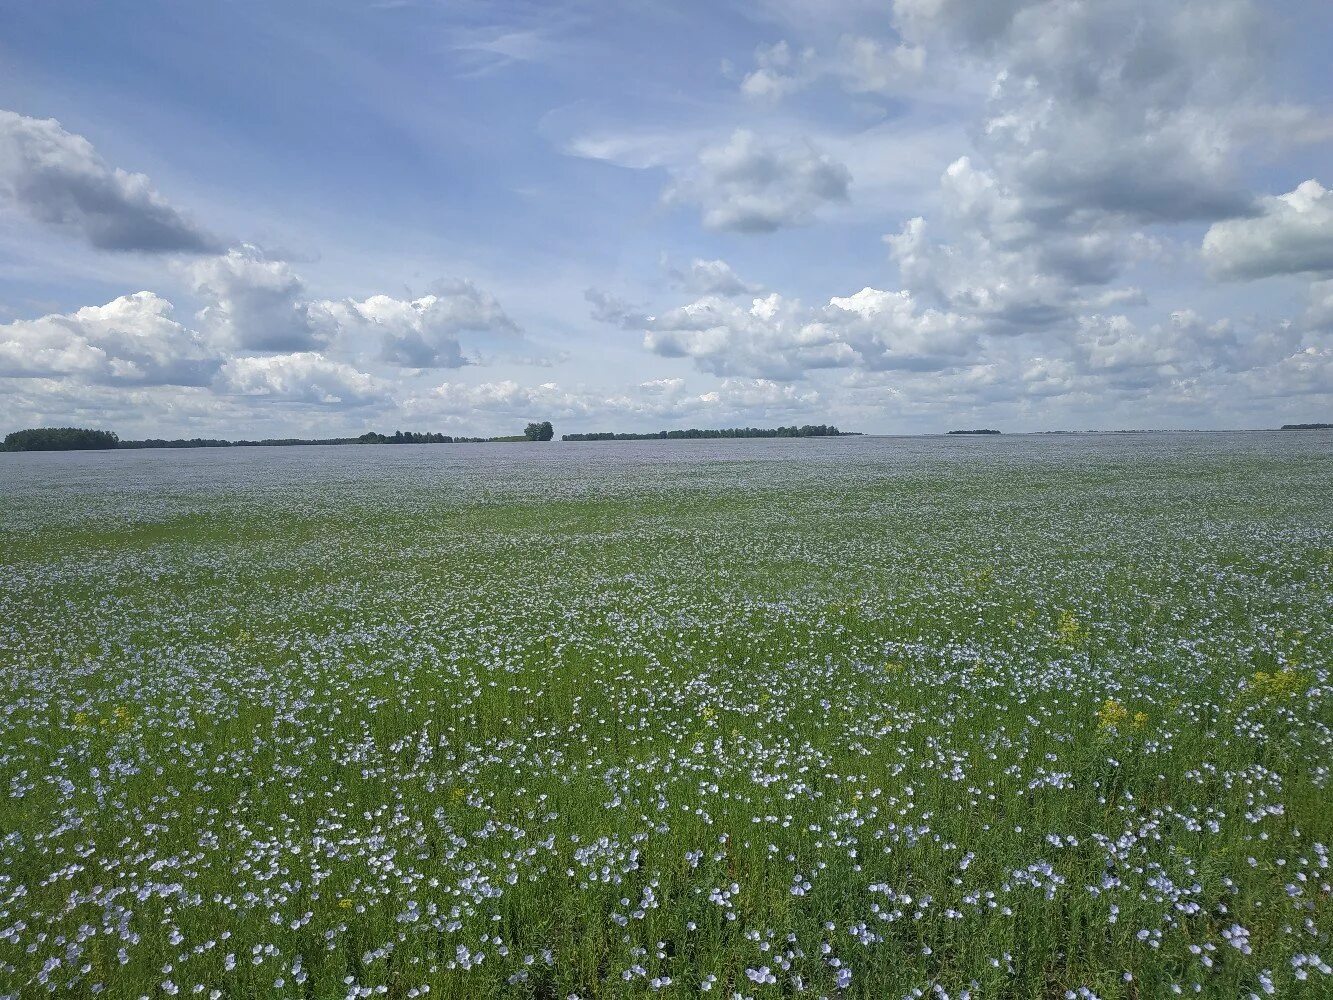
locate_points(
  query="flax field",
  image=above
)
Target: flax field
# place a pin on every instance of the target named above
(1036, 717)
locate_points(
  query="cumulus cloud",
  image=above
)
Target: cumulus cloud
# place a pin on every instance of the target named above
(254, 303)
(1291, 234)
(608, 308)
(422, 332)
(659, 387)
(1161, 374)
(978, 24)
(663, 399)
(761, 394)
(1012, 288)
(1308, 371)
(751, 185)
(778, 338)
(130, 340)
(770, 339)
(1101, 119)
(257, 309)
(58, 178)
(866, 65)
(1119, 106)
(1116, 350)
(259, 304)
(778, 72)
(1319, 315)
(709, 277)
(299, 377)
(543, 401)
(1112, 355)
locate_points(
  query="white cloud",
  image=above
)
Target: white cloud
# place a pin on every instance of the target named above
(1012, 289)
(59, 179)
(777, 338)
(1292, 234)
(779, 71)
(538, 402)
(1120, 106)
(764, 395)
(255, 303)
(860, 64)
(497, 49)
(1307, 372)
(300, 377)
(422, 332)
(1116, 350)
(663, 387)
(709, 277)
(1319, 315)
(665, 399)
(608, 308)
(1101, 118)
(259, 304)
(130, 340)
(890, 330)
(1033, 166)
(1113, 354)
(750, 185)
(976, 23)
(772, 338)
(634, 150)
(866, 65)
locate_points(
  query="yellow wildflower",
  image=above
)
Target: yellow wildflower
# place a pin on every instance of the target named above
(1284, 682)
(1112, 714)
(1070, 629)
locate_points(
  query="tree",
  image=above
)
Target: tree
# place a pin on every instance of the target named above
(61, 439)
(539, 432)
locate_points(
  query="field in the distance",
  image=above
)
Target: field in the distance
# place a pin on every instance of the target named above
(854, 718)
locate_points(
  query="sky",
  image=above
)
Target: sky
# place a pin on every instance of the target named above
(317, 218)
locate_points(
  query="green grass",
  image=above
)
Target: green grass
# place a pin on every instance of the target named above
(1002, 717)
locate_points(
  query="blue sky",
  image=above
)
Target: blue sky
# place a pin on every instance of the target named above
(907, 216)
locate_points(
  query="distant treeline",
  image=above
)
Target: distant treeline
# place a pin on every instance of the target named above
(808, 430)
(408, 437)
(82, 439)
(979, 430)
(1307, 427)
(177, 443)
(60, 439)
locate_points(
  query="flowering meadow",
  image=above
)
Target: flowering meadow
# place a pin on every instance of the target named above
(1022, 717)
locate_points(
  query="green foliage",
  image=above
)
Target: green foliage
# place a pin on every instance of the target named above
(983, 720)
(176, 443)
(405, 437)
(60, 439)
(539, 432)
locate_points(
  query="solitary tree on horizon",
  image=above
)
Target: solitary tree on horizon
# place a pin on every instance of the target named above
(539, 432)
